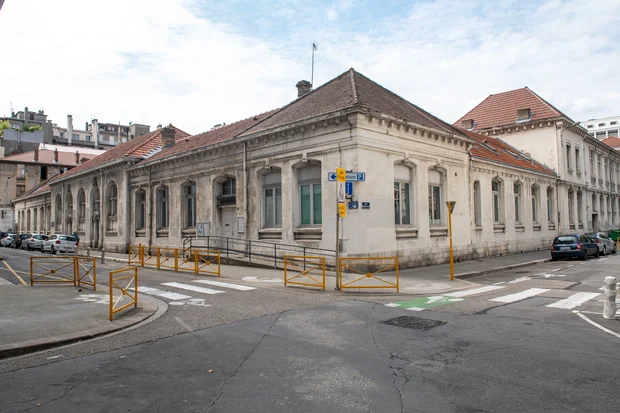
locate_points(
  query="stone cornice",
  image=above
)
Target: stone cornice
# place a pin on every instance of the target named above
(130, 160)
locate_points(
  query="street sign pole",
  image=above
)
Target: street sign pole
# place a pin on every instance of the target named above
(341, 177)
(451, 205)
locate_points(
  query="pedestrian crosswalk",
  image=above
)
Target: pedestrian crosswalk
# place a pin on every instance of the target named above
(164, 291)
(489, 294)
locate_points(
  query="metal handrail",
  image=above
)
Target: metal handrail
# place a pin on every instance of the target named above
(256, 249)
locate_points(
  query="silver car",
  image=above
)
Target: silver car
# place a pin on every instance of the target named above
(60, 243)
(35, 242)
(6, 241)
(605, 245)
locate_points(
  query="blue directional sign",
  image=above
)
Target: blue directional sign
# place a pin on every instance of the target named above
(349, 188)
(351, 176)
(353, 204)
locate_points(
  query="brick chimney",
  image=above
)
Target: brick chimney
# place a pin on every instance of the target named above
(56, 155)
(303, 87)
(167, 136)
(77, 158)
(36, 153)
(70, 129)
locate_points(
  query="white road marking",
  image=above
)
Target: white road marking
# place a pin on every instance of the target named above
(597, 325)
(473, 291)
(573, 301)
(183, 323)
(551, 275)
(568, 266)
(263, 280)
(226, 285)
(557, 269)
(414, 309)
(194, 288)
(165, 294)
(499, 283)
(518, 280)
(511, 298)
(602, 259)
(392, 305)
(5, 282)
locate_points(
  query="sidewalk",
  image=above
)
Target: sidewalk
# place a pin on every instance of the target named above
(41, 317)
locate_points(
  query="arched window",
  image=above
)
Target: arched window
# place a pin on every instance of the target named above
(58, 217)
(95, 201)
(579, 207)
(496, 190)
(28, 221)
(112, 198)
(140, 209)
(81, 204)
(403, 190)
(550, 205)
(571, 205)
(477, 204)
(309, 180)
(272, 198)
(162, 207)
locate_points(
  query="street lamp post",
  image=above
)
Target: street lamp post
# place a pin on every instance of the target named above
(451, 205)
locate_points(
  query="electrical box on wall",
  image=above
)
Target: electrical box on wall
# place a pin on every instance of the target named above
(240, 225)
(203, 229)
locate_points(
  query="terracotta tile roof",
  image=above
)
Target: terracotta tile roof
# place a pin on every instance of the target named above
(350, 89)
(46, 157)
(211, 137)
(501, 109)
(496, 150)
(613, 142)
(142, 146)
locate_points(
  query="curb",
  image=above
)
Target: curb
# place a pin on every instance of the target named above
(156, 307)
(471, 274)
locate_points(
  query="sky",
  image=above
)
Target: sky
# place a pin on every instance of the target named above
(197, 63)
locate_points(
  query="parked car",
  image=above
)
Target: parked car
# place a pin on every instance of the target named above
(17, 242)
(605, 244)
(574, 246)
(6, 241)
(60, 243)
(34, 242)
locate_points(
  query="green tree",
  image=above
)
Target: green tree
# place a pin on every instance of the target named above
(4, 125)
(28, 128)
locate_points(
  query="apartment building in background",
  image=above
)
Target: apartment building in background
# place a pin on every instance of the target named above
(603, 128)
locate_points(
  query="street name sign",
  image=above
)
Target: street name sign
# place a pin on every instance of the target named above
(350, 176)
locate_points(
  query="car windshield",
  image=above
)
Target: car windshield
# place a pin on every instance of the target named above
(67, 238)
(565, 240)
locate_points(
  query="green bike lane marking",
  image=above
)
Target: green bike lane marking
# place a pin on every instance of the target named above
(424, 303)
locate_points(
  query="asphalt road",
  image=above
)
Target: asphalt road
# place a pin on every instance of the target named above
(515, 345)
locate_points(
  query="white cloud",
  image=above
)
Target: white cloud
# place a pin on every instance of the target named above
(175, 61)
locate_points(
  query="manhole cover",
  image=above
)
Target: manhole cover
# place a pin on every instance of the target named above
(414, 322)
(77, 306)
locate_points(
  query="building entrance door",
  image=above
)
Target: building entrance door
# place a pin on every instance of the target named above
(595, 222)
(228, 222)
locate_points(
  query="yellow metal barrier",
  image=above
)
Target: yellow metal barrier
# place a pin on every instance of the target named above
(207, 262)
(302, 268)
(86, 271)
(134, 253)
(369, 272)
(53, 270)
(167, 258)
(126, 284)
(185, 261)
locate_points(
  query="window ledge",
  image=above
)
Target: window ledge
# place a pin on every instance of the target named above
(403, 232)
(499, 228)
(162, 233)
(519, 227)
(571, 226)
(478, 227)
(537, 227)
(570, 171)
(113, 218)
(111, 234)
(188, 231)
(141, 232)
(581, 225)
(551, 226)
(438, 231)
(270, 233)
(578, 173)
(308, 233)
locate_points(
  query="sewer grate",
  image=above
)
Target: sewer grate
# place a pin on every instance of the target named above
(416, 323)
(77, 306)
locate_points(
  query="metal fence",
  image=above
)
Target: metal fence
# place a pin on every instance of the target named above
(306, 271)
(198, 261)
(126, 282)
(364, 272)
(76, 271)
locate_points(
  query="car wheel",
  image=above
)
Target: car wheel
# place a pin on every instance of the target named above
(52, 250)
(585, 256)
(598, 254)
(554, 258)
(604, 251)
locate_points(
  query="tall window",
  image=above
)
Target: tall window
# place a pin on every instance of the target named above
(272, 192)
(310, 193)
(579, 207)
(402, 195)
(112, 199)
(577, 160)
(550, 205)
(496, 187)
(81, 204)
(96, 200)
(517, 193)
(534, 203)
(28, 221)
(598, 160)
(162, 207)
(591, 163)
(435, 198)
(229, 193)
(58, 217)
(477, 204)
(571, 205)
(140, 209)
(569, 163)
(594, 209)
(189, 192)
(69, 204)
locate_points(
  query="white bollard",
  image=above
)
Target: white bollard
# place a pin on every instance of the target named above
(88, 252)
(609, 311)
(102, 255)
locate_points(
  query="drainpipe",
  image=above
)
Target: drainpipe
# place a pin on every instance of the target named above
(150, 189)
(101, 211)
(245, 191)
(127, 209)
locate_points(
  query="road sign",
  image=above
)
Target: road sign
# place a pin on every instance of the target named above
(353, 205)
(342, 210)
(341, 175)
(341, 192)
(365, 205)
(349, 188)
(350, 176)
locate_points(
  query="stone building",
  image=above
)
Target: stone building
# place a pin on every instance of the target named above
(588, 170)
(267, 178)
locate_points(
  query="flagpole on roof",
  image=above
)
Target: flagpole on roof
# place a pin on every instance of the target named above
(314, 48)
